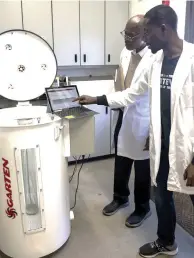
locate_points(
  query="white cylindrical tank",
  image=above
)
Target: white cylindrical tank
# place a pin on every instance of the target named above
(34, 192)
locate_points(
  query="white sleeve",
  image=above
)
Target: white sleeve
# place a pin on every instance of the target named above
(129, 96)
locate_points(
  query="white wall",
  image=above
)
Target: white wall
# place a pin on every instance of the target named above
(142, 6)
(180, 9)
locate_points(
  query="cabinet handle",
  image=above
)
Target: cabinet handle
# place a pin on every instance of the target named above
(84, 58)
(106, 110)
(75, 58)
(109, 58)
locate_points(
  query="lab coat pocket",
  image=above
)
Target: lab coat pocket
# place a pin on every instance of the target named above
(140, 127)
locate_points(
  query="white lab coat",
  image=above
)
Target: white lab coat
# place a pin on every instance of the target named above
(181, 149)
(136, 118)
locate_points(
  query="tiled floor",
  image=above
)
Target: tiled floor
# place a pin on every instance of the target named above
(96, 236)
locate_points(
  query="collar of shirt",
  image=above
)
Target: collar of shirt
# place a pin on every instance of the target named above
(140, 53)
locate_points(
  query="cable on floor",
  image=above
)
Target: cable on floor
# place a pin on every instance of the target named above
(78, 180)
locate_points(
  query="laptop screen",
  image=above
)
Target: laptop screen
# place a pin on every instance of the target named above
(61, 98)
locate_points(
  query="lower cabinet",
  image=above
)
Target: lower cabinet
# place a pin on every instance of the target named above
(102, 119)
(102, 131)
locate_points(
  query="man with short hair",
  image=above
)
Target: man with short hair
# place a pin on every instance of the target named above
(170, 81)
(130, 136)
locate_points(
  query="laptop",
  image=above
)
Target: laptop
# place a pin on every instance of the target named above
(60, 103)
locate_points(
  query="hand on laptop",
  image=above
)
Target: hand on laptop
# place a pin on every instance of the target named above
(86, 100)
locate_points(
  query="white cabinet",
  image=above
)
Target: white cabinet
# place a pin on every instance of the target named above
(116, 19)
(66, 32)
(10, 15)
(37, 18)
(102, 131)
(85, 32)
(92, 32)
(103, 119)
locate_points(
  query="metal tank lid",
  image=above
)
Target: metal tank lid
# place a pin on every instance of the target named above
(28, 65)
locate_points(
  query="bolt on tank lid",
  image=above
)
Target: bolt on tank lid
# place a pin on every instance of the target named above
(28, 65)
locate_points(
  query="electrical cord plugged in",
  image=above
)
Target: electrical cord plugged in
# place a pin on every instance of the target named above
(75, 168)
(78, 180)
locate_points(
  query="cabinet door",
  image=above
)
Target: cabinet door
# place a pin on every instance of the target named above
(92, 32)
(8, 20)
(116, 19)
(37, 18)
(66, 32)
(102, 120)
(102, 131)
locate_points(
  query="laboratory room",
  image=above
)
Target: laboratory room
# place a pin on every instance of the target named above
(96, 128)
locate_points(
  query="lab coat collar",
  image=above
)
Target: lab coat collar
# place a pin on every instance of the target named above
(141, 53)
(188, 51)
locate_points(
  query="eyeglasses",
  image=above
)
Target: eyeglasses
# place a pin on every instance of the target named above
(127, 37)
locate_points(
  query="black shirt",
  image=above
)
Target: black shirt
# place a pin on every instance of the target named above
(168, 68)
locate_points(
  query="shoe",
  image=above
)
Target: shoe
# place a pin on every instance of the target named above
(113, 207)
(155, 248)
(136, 219)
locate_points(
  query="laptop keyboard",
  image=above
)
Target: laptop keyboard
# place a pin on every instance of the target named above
(76, 111)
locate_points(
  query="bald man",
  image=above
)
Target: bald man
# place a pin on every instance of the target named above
(132, 128)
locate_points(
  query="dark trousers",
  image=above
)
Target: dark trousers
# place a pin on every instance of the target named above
(164, 203)
(122, 174)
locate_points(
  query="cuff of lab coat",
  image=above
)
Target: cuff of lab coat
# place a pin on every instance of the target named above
(102, 100)
(112, 102)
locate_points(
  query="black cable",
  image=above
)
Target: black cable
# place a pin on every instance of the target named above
(78, 178)
(75, 169)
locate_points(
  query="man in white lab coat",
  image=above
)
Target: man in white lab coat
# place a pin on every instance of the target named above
(131, 133)
(170, 82)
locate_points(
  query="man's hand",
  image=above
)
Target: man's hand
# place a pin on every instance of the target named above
(86, 100)
(189, 175)
(146, 148)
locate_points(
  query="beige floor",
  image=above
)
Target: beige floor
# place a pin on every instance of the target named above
(96, 236)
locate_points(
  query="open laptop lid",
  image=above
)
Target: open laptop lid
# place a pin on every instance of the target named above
(60, 98)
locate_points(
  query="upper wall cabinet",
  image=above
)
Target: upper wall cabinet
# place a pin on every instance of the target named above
(66, 32)
(11, 17)
(82, 32)
(38, 19)
(92, 32)
(116, 18)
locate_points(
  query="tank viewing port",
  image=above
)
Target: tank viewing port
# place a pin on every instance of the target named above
(30, 189)
(29, 169)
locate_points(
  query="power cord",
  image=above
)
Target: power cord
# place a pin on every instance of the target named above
(75, 168)
(78, 179)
